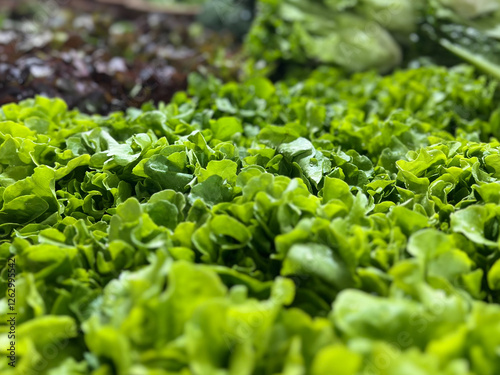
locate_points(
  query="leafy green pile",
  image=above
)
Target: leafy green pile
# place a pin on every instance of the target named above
(359, 35)
(327, 226)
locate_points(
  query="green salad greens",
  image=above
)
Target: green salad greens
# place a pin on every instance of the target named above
(335, 225)
(359, 35)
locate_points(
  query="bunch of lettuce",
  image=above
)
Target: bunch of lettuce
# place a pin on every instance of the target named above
(326, 226)
(360, 35)
(469, 30)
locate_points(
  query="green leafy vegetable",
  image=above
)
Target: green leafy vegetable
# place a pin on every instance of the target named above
(300, 227)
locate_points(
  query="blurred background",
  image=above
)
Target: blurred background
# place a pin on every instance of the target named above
(107, 55)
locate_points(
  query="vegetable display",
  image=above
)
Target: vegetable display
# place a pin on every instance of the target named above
(332, 225)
